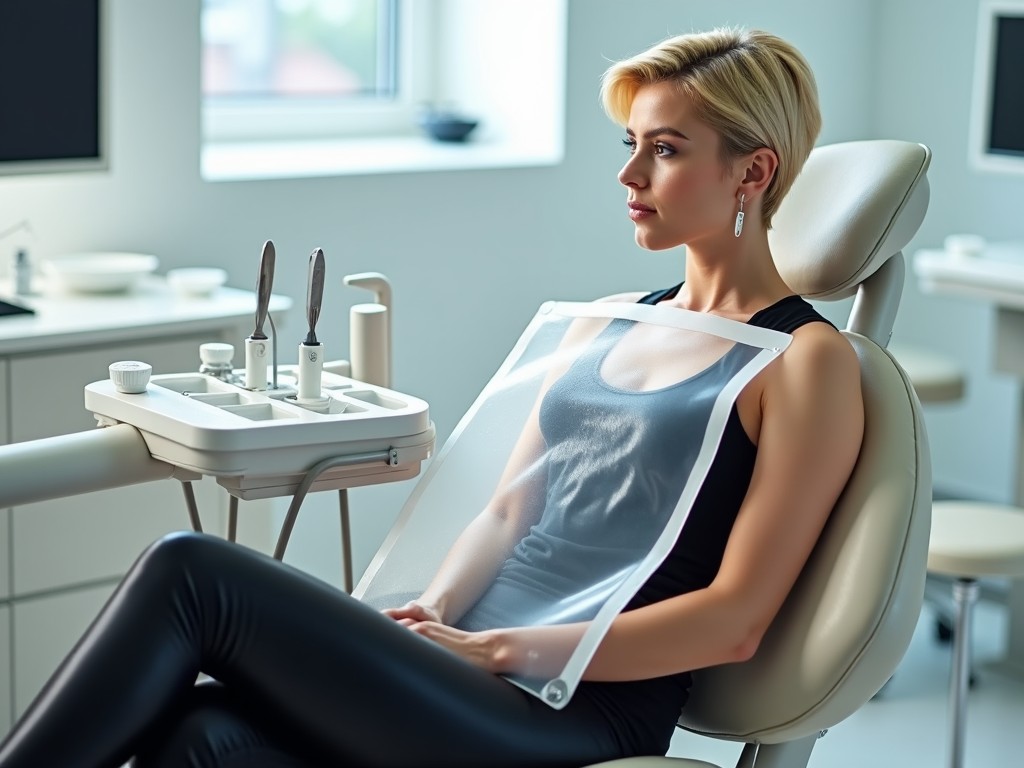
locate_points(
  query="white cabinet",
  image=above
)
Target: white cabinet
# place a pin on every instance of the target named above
(5, 568)
(4, 400)
(93, 536)
(48, 387)
(5, 561)
(5, 669)
(45, 629)
(61, 559)
(5, 519)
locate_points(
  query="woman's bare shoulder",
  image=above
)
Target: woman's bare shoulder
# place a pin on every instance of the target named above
(820, 344)
(819, 371)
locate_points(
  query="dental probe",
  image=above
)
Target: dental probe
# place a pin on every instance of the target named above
(311, 351)
(257, 346)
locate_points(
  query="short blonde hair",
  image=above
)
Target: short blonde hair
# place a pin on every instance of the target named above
(755, 89)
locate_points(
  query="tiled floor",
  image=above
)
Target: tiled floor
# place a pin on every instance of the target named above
(906, 726)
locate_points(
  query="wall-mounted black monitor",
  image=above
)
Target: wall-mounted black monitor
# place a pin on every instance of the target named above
(997, 117)
(52, 99)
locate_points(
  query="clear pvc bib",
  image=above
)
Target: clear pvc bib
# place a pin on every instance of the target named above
(583, 454)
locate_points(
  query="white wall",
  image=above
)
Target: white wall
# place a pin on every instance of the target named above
(925, 51)
(470, 254)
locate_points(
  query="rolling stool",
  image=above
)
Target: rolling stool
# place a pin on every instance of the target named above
(971, 540)
(936, 379)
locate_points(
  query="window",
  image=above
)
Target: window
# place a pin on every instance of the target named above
(294, 48)
(367, 70)
(274, 69)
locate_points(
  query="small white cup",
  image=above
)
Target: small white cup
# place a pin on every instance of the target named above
(130, 377)
(964, 246)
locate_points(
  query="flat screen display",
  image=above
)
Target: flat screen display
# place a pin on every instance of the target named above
(997, 109)
(1006, 122)
(51, 99)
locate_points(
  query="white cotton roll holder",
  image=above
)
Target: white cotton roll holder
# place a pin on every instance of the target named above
(370, 330)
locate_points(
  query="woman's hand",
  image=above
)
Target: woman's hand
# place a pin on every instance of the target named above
(413, 613)
(529, 651)
(480, 649)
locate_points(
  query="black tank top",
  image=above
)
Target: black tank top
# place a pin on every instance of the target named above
(694, 561)
(643, 713)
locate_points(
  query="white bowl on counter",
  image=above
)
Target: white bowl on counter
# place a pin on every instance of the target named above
(196, 282)
(112, 272)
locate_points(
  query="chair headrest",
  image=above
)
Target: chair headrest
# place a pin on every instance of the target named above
(854, 205)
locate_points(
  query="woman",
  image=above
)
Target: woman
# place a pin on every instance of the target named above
(718, 126)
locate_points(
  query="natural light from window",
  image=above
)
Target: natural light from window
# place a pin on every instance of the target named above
(298, 49)
(294, 88)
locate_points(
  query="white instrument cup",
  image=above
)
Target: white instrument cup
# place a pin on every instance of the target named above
(311, 368)
(256, 357)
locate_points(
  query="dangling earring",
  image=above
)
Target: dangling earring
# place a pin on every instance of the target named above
(739, 217)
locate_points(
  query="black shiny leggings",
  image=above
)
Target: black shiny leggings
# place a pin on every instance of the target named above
(306, 676)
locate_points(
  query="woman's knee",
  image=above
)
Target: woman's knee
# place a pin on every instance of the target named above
(163, 564)
(177, 548)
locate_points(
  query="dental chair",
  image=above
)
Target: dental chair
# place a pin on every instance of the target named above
(849, 620)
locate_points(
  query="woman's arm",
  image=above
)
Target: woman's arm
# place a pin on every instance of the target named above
(810, 434)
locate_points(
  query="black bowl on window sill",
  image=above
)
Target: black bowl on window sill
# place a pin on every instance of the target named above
(448, 127)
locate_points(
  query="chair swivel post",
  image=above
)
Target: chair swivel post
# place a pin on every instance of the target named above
(965, 595)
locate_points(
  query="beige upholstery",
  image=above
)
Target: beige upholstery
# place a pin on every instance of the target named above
(849, 620)
(857, 601)
(854, 205)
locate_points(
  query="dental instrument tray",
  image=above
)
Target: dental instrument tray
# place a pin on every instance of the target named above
(260, 444)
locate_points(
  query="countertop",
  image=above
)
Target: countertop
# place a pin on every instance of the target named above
(997, 274)
(150, 308)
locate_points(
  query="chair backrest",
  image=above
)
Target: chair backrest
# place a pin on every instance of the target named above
(848, 622)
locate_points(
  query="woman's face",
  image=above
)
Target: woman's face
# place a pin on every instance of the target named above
(678, 190)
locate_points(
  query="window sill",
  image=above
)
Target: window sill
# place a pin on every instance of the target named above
(253, 161)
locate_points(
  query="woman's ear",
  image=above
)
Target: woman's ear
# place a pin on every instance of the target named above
(758, 169)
